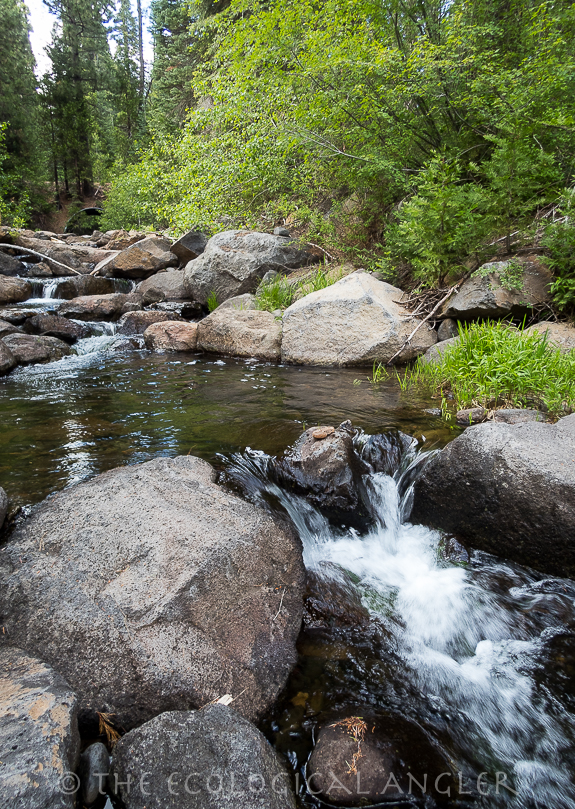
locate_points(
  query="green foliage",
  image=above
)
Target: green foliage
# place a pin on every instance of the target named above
(15, 206)
(276, 294)
(495, 363)
(510, 274)
(559, 239)
(379, 373)
(212, 301)
(319, 280)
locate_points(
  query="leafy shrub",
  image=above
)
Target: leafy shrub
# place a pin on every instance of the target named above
(559, 239)
(495, 363)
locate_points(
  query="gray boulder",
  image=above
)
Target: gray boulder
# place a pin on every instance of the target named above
(356, 321)
(8, 328)
(14, 290)
(140, 260)
(171, 336)
(10, 265)
(517, 415)
(28, 349)
(101, 307)
(240, 302)
(235, 261)
(39, 735)
(208, 759)
(7, 358)
(3, 506)
(56, 326)
(165, 590)
(559, 335)
(137, 322)
(506, 489)
(434, 354)
(241, 334)
(79, 257)
(189, 246)
(484, 294)
(448, 328)
(164, 286)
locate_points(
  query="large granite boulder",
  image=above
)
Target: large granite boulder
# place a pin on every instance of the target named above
(151, 588)
(235, 261)
(164, 286)
(14, 290)
(79, 257)
(10, 265)
(189, 246)
(171, 335)
(28, 349)
(7, 358)
(490, 293)
(137, 322)
(101, 307)
(506, 489)
(121, 239)
(140, 260)
(559, 335)
(56, 326)
(208, 759)
(238, 333)
(3, 506)
(39, 735)
(356, 321)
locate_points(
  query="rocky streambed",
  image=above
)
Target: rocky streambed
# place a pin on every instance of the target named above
(277, 587)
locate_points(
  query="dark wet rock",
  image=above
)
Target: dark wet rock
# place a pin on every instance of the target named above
(140, 260)
(384, 452)
(508, 490)
(40, 270)
(364, 758)
(448, 328)
(325, 470)
(280, 231)
(56, 326)
(241, 334)
(28, 348)
(3, 506)
(189, 310)
(82, 285)
(14, 290)
(435, 353)
(7, 358)
(227, 761)
(518, 415)
(333, 601)
(471, 415)
(137, 322)
(10, 265)
(235, 261)
(93, 772)
(19, 315)
(38, 734)
(171, 336)
(484, 294)
(165, 590)
(8, 328)
(190, 245)
(240, 302)
(164, 286)
(100, 307)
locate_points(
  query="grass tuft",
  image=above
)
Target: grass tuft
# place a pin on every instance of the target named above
(276, 294)
(496, 364)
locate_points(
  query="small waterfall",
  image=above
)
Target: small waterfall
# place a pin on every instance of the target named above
(49, 289)
(465, 646)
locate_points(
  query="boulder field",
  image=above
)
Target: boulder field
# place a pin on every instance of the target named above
(150, 588)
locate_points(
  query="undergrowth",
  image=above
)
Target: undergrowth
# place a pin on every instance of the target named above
(495, 364)
(279, 293)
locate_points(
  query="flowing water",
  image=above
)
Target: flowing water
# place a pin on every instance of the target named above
(478, 654)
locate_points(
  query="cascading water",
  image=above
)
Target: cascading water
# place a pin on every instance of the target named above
(467, 646)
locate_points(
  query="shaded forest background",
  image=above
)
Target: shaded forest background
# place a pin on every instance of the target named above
(413, 136)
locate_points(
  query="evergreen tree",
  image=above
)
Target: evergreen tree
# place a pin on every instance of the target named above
(129, 82)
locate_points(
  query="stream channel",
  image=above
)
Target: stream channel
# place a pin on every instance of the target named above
(474, 653)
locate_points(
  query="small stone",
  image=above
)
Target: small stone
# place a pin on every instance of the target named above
(323, 432)
(448, 328)
(472, 415)
(280, 231)
(94, 769)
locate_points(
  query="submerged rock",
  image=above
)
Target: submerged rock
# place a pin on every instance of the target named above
(171, 336)
(363, 758)
(137, 322)
(28, 349)
(241, 334)
(508, 490)
(165, 590)
(235, 261)
(14, 290)
(39, 735)
(7, 358)
(208, 759)
(356, 321)
(485, 293)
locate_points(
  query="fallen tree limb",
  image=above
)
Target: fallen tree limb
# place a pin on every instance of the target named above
(42, 256)
(427, 317)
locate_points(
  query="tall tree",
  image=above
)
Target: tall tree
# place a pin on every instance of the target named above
(128, 90)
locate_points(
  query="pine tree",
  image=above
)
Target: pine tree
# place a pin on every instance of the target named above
(129, 82)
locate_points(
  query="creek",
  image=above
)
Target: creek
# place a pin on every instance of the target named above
(478, 652)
